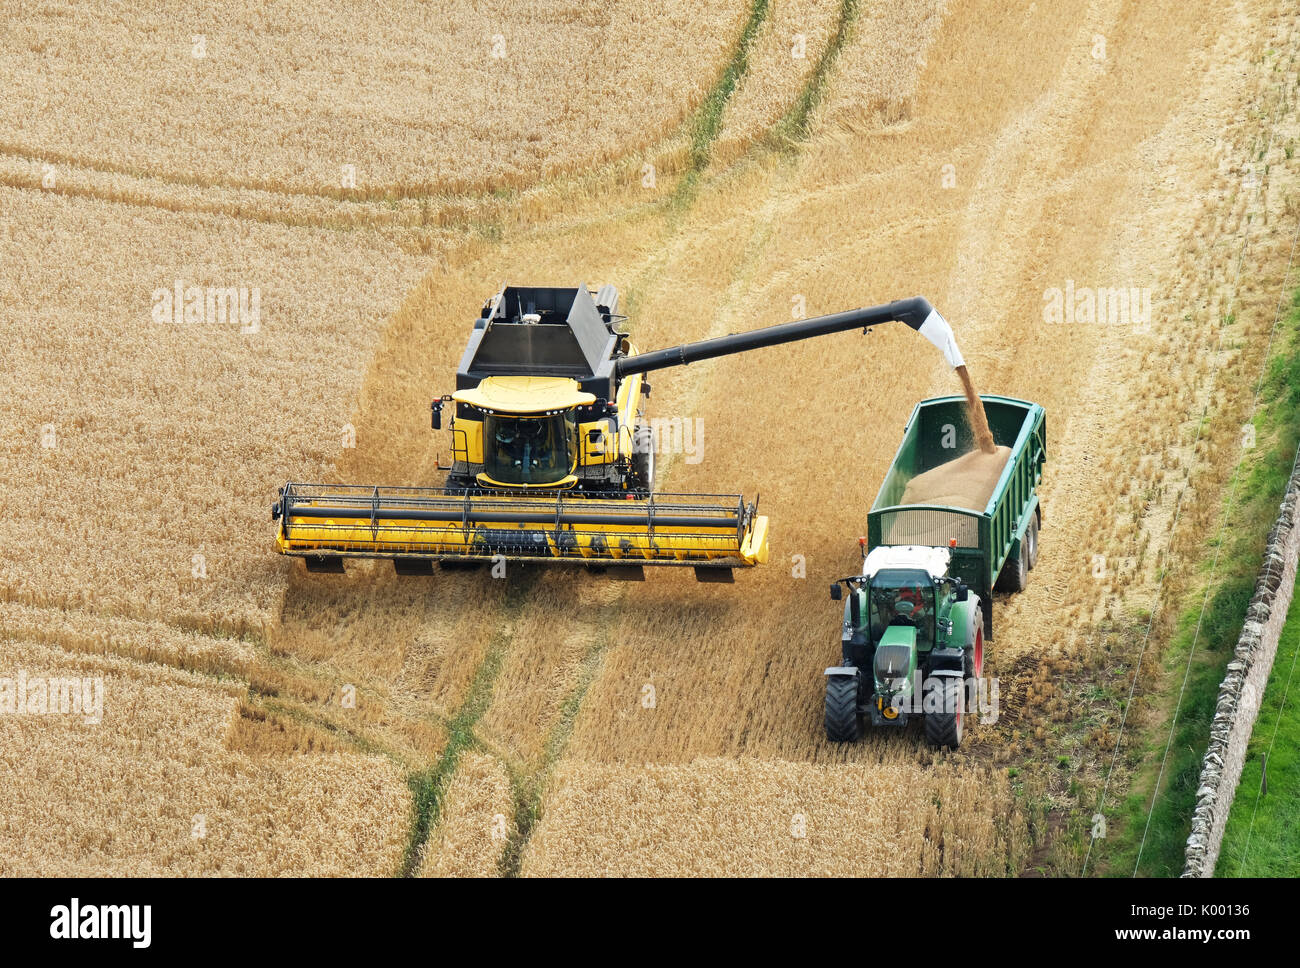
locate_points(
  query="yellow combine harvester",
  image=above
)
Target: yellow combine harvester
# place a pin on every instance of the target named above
(552, 453)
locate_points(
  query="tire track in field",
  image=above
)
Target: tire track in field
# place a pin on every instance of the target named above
(429, 788)
(530, 788)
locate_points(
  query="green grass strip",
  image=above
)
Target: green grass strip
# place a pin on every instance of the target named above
(528, 789)
(707, 123)
(1263, 834)
(429, 787)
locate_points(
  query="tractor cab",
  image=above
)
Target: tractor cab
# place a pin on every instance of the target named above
(902, 597)
(907, 585)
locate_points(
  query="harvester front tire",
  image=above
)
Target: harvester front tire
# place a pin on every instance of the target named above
(944, 729)
(643, 459)
(842, 722)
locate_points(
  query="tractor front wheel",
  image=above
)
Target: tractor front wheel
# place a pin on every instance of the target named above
(944, 728)
(842, 722)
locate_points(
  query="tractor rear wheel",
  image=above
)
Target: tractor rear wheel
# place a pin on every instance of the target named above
(842, 722)
(974, 663)
(944, 728)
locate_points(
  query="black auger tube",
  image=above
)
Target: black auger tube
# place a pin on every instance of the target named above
(911, 311)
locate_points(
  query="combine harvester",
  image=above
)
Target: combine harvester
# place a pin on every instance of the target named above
(942, 534)
(552, 455)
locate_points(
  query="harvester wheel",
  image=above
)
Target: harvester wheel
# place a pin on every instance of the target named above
(1031, 535)
(842, 723)
(944, 729)
(1015, 573)
(643, 459)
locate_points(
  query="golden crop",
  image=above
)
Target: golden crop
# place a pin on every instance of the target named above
(591, 727)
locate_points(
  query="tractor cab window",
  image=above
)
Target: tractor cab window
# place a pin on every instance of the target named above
(903, 596)
(529, 450)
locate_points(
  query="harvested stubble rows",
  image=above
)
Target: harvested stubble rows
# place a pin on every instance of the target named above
(777, 819)
(151, 790)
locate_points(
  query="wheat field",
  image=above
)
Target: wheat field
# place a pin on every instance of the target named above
(420, 98)
(974, 152)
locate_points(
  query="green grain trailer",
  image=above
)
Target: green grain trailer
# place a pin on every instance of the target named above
(991, 548)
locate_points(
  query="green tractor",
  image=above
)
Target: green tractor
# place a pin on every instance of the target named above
(913, 644)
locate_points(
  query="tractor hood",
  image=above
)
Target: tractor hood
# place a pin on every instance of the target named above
(895, 658)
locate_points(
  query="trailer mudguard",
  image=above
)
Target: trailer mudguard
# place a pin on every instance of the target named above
(1031, 509)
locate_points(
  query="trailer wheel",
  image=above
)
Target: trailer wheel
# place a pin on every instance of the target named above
(1031, 535)
(1015, 572)
(842, 722)
(944, 729)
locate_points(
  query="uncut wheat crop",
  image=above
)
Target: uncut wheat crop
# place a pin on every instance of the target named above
(456, 96)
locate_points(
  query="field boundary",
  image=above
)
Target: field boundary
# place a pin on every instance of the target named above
(1242, 688)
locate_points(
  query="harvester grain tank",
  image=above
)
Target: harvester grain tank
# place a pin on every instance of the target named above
(918, 617)
(551, 451)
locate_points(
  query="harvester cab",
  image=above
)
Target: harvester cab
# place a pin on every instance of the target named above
(552, 454)
(912, 638)
(539, 402)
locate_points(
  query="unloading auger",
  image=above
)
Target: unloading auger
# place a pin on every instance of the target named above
(553, 457)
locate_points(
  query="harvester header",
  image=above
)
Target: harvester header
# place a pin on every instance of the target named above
(552, 455)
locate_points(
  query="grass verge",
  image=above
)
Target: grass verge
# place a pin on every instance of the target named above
(1152, 838)
(1263, 835)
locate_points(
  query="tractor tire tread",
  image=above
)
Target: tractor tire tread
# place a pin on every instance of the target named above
(842, 723)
